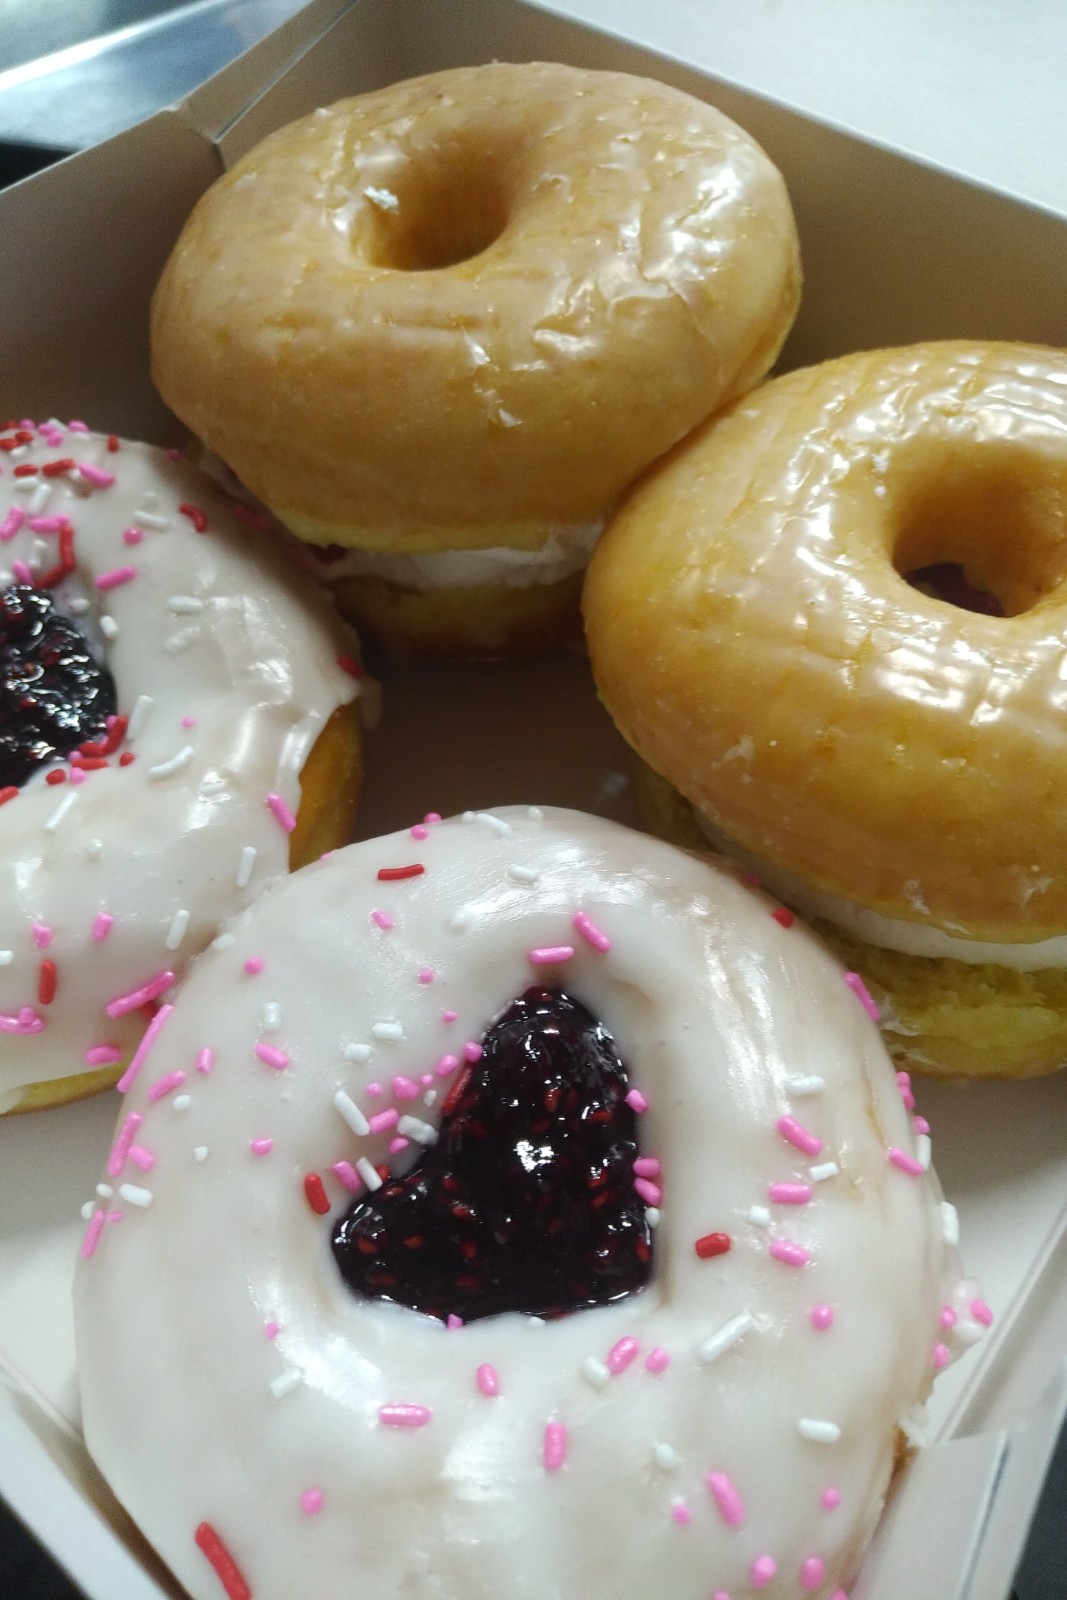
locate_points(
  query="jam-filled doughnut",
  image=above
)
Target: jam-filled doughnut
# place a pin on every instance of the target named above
(176, 728)
(440, 328)
(835, 623)
(540, 1216)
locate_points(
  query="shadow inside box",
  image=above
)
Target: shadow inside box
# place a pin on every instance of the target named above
(19, 161)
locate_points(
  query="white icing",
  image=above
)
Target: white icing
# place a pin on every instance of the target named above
(564, 552)
(192, 1314)
(159, 845)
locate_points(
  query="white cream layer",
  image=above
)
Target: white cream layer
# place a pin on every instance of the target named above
(562, 554)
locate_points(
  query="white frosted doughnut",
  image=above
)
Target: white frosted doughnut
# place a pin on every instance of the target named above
(226, 671)
(740, 1415)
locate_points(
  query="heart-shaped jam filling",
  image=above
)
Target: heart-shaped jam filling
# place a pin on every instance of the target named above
(54, 694)
(527, 1200)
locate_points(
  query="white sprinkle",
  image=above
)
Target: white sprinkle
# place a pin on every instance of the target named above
(523, 874)
(181, 640)
(142, 706)
(60, 812)
(38, 551)
(536, 1322)
(184, 605)
(181, 1102)
(811, 1084)
(105, 1191)
(494, 824)
(665, 1457)
(367, 1172)
(350, 1112)
(384, 199)
(819, 1431)
(40, 497)
(223, 942)
(134, 1195)
(950, 1223)
(760, 1216)
(727, 1335)
(200, 1152)
(653, 1215)
(178, 929)
(430, 1099)
(94, 849)
(388, 1030)
(535, 814)
(286, 1382)
(247, 862)
(272, 1016)
(165, 768)
(356, 1052)
(923, 1151)
(413, 1128)
(461, 919)
(595, 1372)
(78, 606)
(824, 1170)
(6, 957)
(109, 627)
(148, 519)
(87, 1210)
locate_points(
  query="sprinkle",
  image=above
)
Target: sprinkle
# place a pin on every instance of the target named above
(487, 820)
(452, 1322)
(346, 1174)
(108, 627)
(394, 874)
(420, 832)
(21, 572)
(254, 966)
(783, 917)
(449, 1016)
(381, 919)
(382, 1121)
(555, 1446)
(461, 919)
(281, 813)
(121, 1148)
(790, 1194)
(369, 1173)
(940, 1357)
(862, 993)
(759, 1216)
(164, 769)
(12, 523)
(730, 1332)
(588, 930)
(195, 515)
(657, 1360)
(351, 1114)
(393, 1031)
(523, 874)
(261, 1147)
(205, 1059)
(595, 1372)
(135, 1196)
(286, 1381)
(181, 1102)
(650, 1193)
(818, 1431)
(103, 1055)
(140, 1055)
(46, 983)
(271, 1056)
(117, 576)
(311, 1502)
(923, 1151)
(184, 605)
(404, 1416)
(446, 1066)
(142, 1158)
(165, 1085)
(822, 1317)
(8, 792)
(60, 812)
(488, 1382)
(920, 1125)
(142, 706)
(622, 1354)
(92, 1234)
(905, 1163)
(904, 1085)
(762, 1571)
(636, 1101)
(950, 1223)
(272, 1016)
(826, 1169)
(680, 1513)
(356, 1052)
(948, 1318)
(422, 1132)
(807, 1084)
(647, 1167)
(179, 926)
(200, 1152)
(550, 955)
(726, 1498)
(793, 1255)
(981, 1313)
(58, 469)
(830, 1499)
(226, 1569)
(315, 1194)
(472, 1051)
(132, 536)
(793, 1133)
(25, 1020)
(245, 865)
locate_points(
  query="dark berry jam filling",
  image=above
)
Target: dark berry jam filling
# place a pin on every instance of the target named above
(527, 1200)
(54, 694)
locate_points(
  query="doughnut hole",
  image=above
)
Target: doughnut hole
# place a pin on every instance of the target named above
(452, 203)
(982, 527)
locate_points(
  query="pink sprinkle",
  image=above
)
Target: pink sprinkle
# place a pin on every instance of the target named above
(647, 1167)
(981, 1313)
(488, 1382)
(812, 1573)
(121, 1148)
(726, 1498)
(116, 577)
(790, 1194)
(681, 1513)
(420, 832)
(940, 1356)
(550, 955)
(405, 1088)
(822, 1317)
(452, 1321)
(762, 1571)
(657, 1360)
(794, 1255)
(142, 1158)
(948, 1318)
(92, 1234)
(280, 812)
(404, 1416)
(905, 1163)
(113, 1216)
(862, 993)
(431, 817)
(375, 1090)
(12, 523)
(555, 1450)
(426, 975)
(254, 966)
(397, 1144)
(831, 1499)
(793, 1133)
(920, 1125)
(46, 524)
(42, 935)
(205, 1059)
(721, 1594)
(103, 1055)
(587, 928)
(166, 1085)
(188, 722)
(102, 926)
(346, 1174)
(76, 426)
(21, 572)
(77, 775)
(382, 1121)
(426, 1079)
(636, 1101)
(839, 1594)
(472, 1051)
(140, 1055)
(446, 1066)
(271, 1329)
(132, 535)
(96, 475)
(311, 1502)
(25, 1020)
(261, 1147)
(136, 998)
(381, 919)
(271, 1056)
(173, 453)
(650, 1193)
(904, 1085)
(449, 1016)
(621, 1354)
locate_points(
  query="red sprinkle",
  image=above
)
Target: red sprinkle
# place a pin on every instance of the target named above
(353, 668)
(226, 1569)
(25, 470)
(57, 775)
(65, 565)
(317, 1197)
(56, 469)
(125, 758)
(712, 1244)
(7, 793)
(197, 517)
(786, 918)
(46, 983)
(391, 874)
(112, 442)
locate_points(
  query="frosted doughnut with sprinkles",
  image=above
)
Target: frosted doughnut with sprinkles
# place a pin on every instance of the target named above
(175, 729)
(698, 1378)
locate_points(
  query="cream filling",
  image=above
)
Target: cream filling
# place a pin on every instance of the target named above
(564, 552)
(888, 933)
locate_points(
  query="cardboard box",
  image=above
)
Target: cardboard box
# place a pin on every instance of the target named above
(894, 251)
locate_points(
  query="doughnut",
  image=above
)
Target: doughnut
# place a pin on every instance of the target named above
(835, 623)
(175, 730)
(541, 1216)
(438, 329)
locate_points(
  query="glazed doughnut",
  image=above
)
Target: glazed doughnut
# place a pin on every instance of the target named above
(742, 1283)
(462, 313)
(162, 673)
(887, 760)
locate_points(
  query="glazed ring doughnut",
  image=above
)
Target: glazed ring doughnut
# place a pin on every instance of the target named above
(890, 760)
(588, 1234)
(165, 681)
(464, 312)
